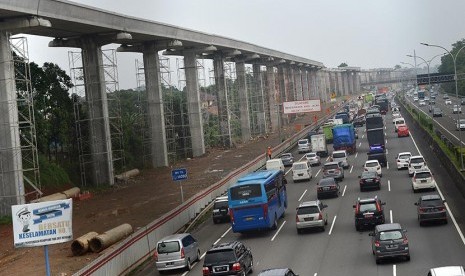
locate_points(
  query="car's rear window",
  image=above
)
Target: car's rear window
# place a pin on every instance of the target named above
(339, 155)
(307, 210)
(299, 167)
(431, 202)
(168, 247)
(286, 155)
(309, 155)
(331, 167)
(423, 175)
(371, 164)
(219, 256)
(246, 191)
(303, 142)
(390, 235)
(326, 182)
(368, 175)
(220, 204)
(417, 160)
(399, 122)
(367, 207)
(404, 156)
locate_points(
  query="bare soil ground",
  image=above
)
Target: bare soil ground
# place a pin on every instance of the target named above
(137, 202)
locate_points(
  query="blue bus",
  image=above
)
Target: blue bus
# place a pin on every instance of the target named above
(257, 200)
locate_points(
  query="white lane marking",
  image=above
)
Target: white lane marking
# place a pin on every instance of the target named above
(363, 136)
(302, 195)
(317, 172)
(384, 127)
(343, 192)
(203, 255)
(394, 270)
(288, 171)
(351, 168)
(225, 233)
(258, 263)
(332, 225)
(445, 204)
(387, 150)
(217, 241)
(387, 165)
(356, 155)
(277, 232)
(389, 185)
(360, 144)
(386, 141)
(390, 214)
(327, 158)
(315, 274)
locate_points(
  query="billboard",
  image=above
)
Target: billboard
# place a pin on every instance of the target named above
(301, 106)
(42, 223)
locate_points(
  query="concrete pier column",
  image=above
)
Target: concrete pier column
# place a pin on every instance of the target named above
(327, 86)
(314, 84)
(345, 77)
(193, 104)
(11, 175)
(290, 96)
(155, 112)
(351, 82)
(283, 86)
(356, 77)
(272, 110)
(243, 101)
(258, 114)
(99, 122)
(340, 84)
(305, 90)
(298, 83)
(222, 100)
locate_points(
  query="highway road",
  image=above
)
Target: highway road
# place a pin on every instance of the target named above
(341, 250)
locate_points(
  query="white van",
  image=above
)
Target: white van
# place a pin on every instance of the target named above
(275, 164)
(341, 157)
(301, 171)
(397, 122)
(304, 145)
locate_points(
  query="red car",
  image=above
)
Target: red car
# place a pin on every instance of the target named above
(402, 131)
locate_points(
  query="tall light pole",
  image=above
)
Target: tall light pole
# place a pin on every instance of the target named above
(454, 59)
(427, 64)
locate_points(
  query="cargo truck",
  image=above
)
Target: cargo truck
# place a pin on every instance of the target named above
(328, 132)
(344, 138)
(319, 145)
(374, 120)
(376, 142)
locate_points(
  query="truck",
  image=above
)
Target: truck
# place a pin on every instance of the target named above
(421, 95)
(376, 143)
(374, 120)
(344, 116)
(328, 132)
(383, 105)
(319, 145)
(344, 138)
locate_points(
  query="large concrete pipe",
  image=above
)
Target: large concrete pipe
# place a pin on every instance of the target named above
(73, 192)
(110, 237)
(81, 245)
(56, 196)
(126, 175)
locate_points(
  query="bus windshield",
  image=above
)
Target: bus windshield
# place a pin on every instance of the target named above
(246, 191)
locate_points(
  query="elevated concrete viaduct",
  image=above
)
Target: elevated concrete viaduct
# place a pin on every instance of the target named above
(286, 78)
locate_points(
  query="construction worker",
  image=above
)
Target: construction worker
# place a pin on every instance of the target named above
(268, 152)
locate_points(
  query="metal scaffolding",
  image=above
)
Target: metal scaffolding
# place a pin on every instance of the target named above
(256, 85)
(26, 121)
(83, 109)
(232, 93)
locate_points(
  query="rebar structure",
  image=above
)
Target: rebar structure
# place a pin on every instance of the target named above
(232, 93)
(84, 117)
(26, 121)
(255, 84)
(142, 126)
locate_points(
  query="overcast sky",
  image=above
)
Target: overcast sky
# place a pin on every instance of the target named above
(364, 33)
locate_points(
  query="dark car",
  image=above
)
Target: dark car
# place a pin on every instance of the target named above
(389, 241)
(277, 272)
(333, 169)
(359, 121)
(369, 180)
(368, 212)
(220, 209)
(437, 112)
(431, 208)
(229, 258)
(462, 101)
(287, 159)
(327, 187)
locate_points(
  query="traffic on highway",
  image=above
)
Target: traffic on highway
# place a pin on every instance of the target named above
(386, 209)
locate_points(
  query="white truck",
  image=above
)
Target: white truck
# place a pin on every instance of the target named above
(319, 145)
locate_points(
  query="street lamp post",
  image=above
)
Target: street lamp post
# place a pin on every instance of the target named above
(454, 59)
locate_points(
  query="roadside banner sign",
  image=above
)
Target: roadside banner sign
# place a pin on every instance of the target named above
(302, 106)
(179, 174)
(43, 223)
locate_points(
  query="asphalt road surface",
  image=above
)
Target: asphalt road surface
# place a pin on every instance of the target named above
(341, 250)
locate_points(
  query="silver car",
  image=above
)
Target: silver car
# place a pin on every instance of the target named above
(311, 214)
(176, 251)
(313, 158)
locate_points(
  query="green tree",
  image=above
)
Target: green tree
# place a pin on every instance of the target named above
(397, 66)
(343, 65)
(447, 67)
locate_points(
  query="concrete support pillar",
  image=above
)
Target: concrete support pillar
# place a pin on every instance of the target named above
(332, 82)
(328, 86)
(258, 114)
(271, 97)
(11, 174)
(290, 96)
(222, 99)
(298, 83)
(193, 104)
(283, 86)
(315, 94)
(345, 76)
(357, 82)
(155, 112)
(243, 101)
(351, 83)
(99, 123)
(340, 84)
(306, 93)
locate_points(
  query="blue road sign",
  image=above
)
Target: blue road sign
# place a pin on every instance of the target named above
(179, 174)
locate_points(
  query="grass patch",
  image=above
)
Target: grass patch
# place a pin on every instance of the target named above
(51, 174)
(5, 220)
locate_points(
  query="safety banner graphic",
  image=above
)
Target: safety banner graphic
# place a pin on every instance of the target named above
(42, 223)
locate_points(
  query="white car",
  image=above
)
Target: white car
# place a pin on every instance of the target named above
(397, 122)
(456, 109)
(301, 171)
(303, 145)
(396, 115)
(313, 158)
(275, 164)
(373, 166)
(460, 125)
(402, 160)
(423, 179)
(416, 163)
(447, 271)
(448, 101)
(421, 103)
(415, 99)
(340, 156)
